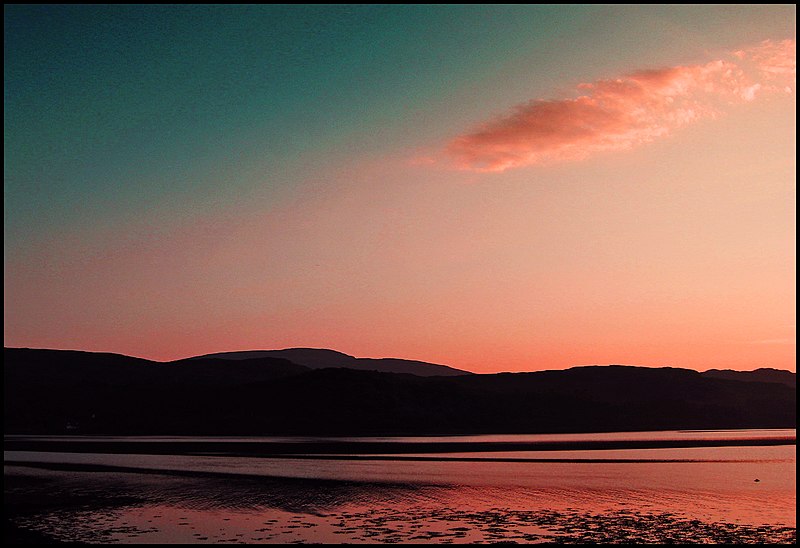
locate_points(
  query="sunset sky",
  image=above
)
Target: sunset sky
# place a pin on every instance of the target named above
(498, 188)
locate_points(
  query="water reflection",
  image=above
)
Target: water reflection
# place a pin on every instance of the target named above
(703, 494)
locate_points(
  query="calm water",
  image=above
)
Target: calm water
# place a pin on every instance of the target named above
(692, 494)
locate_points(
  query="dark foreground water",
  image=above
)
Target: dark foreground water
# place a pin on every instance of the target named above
(684, 494)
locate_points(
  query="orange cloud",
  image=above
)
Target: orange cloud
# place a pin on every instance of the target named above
(619, 114)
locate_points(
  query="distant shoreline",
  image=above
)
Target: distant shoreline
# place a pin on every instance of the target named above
(331, 447)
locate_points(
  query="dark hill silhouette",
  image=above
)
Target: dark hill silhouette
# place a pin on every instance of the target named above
(765, 374)
(320, 358)
(54, 392)
(68, 368)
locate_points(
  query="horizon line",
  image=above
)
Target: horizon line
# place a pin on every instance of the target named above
(574, 366)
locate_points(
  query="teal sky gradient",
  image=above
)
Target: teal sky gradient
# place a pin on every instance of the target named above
(111, 110)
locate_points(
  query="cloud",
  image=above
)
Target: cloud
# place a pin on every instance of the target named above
(623, 113)
(773, 59)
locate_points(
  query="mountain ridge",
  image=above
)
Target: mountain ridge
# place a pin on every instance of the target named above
(320, 358)
(762, 374)
(47, 391)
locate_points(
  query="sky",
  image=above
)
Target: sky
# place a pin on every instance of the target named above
(495, 188)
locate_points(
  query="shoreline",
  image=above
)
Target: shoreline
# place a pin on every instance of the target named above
(328, 447)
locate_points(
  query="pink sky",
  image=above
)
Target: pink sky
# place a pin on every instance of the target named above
(648, 219)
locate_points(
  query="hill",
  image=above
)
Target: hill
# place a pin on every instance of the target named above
(320, 358)
(759, 375)
(50, 391)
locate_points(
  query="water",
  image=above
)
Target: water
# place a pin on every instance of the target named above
(694, 494)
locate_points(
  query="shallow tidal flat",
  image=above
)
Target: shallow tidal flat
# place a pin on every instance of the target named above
(667, 495)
